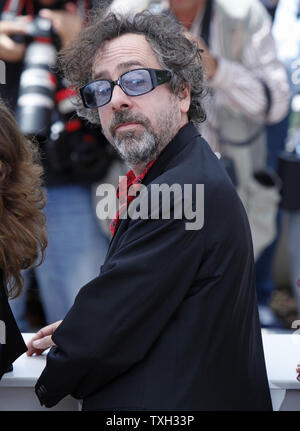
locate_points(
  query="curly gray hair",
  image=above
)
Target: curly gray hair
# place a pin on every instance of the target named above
(175, 52)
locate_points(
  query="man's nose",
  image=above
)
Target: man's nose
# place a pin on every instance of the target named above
(119, 99)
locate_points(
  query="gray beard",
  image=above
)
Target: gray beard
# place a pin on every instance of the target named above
(135, 151)
(140, 150)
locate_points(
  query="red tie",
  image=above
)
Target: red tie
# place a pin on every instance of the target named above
(122, 194)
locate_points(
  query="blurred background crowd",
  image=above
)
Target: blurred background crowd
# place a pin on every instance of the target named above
(251, 59)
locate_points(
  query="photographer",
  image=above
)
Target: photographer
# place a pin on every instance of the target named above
(75, 156)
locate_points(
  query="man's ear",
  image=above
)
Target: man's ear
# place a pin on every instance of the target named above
(185, 99)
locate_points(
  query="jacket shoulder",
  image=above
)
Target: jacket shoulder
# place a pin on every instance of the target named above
(196, 164)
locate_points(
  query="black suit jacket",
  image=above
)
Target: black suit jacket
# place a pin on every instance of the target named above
(14, 345)
(171, 322)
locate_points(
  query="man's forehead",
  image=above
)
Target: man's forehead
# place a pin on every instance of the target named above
(124, 52)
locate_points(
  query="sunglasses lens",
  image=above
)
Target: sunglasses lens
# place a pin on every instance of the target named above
(133, 83)
(97, 93)
(137, 82)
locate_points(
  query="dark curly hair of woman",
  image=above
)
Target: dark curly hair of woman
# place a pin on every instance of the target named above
(23, 236)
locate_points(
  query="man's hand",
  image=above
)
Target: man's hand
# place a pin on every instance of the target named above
(42, 339)
(9, 50)
(66, 23)
(210, 63)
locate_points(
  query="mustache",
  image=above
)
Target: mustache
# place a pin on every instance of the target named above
(123, 117)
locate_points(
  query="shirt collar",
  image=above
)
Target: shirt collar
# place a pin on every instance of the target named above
(131, 179)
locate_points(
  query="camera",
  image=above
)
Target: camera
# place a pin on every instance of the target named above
(45, 110)
(38, 84)
(80, 152)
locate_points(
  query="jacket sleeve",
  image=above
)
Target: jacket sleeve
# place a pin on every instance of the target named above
(240, 83)
(117, 317)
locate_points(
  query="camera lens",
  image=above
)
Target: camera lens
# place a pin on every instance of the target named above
(37, 83)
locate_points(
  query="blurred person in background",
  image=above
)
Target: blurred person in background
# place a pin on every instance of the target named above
(276, 135)
(75, 156)
(22, 229)
(247, 89)
(286, 30)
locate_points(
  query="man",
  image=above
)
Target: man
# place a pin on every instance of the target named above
(171, 321)
(73, 160)
(249, 91)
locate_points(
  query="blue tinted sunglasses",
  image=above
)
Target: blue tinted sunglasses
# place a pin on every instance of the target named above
(134, 83)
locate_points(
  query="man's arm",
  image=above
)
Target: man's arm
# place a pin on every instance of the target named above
(67, 23)
(119, 315)
(10, 50)
(240, 83)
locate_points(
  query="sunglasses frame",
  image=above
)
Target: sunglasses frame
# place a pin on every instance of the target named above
(157, 76)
